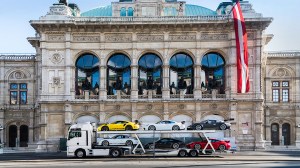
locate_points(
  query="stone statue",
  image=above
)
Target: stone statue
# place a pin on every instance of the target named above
(64, 2)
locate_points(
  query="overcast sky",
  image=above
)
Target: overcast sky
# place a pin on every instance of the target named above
(16, 14)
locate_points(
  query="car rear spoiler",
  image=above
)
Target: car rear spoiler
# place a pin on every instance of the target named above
(230, 119)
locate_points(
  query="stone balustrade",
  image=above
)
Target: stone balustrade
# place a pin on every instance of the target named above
(284, 54)
(17, 57)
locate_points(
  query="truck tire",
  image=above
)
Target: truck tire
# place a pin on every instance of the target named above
(193, 153)
(80, 153)
(182, 153)
(115, 152)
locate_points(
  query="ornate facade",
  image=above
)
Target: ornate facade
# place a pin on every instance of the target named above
(146, 61)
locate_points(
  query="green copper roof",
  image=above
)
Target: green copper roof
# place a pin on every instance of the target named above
(190, 10)
(100, 11)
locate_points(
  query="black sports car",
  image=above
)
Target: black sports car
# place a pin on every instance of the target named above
(166, 143)
(210, 124)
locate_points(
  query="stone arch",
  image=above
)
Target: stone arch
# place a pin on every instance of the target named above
(185, 51)
(16, 124)
(109, 55)
(17, 74)
(189, 114)
(140, 115)
(153, 52)
(221, 52)
(77, 116)
(281, 71)
(108, 116)
(80, 53)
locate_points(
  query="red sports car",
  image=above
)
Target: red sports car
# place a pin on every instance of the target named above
(220, 145)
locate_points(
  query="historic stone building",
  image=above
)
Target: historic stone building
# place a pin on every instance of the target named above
(147, 60)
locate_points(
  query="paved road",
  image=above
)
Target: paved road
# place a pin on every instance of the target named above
(237, 160)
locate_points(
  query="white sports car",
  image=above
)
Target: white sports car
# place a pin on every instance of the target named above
(117, 140)
(165, 125)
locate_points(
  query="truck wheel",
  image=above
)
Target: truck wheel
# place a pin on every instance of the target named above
(105, 143)
(182, 153)
(223, 127)
(197, 146)
(115, 152)
(175, 127)
(151, 127)
(193, 153)
(128, 128)
(128, 143)
(105, 128)
(80, 153)
(198, 127)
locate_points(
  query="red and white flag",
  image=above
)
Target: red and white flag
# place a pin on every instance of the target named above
(243, 85)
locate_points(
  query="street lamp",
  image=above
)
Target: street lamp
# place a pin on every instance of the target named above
(1, 128)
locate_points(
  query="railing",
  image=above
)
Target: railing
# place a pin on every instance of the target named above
(152, 19)
(189, 96)
(156, 96)
(112, 97)
(125, 96)
(206, 96)
(221, 96)
(284, 54)
(79, 97)
(94, 96)
(172, 96)
(17, 57)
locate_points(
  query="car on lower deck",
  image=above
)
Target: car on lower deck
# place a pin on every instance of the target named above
(117, 140)
(166, 143)
(220, 145)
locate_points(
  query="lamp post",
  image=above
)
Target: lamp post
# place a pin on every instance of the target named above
(1, 128)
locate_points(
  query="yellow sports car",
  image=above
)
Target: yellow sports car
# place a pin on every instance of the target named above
(119, 125)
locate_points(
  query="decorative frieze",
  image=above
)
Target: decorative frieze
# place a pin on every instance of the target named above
(56, 38)
(118, 38)
(214, 37)
(19, 115)
(86, 39)
(150, 37)
(17, 75)
(183, 37)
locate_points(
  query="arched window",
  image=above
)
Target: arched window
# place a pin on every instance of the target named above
(123, 12)
(87, 75)
(130, 11)
(118, 74)
(181, 74)
(213, 73)
(150, 74)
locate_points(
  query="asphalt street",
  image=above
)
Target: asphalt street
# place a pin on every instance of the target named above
(289, 159)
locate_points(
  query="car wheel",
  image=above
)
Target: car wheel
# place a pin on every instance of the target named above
(223, 127)
(193, 153)
(128, 143)
(197, 146)
(175, 127)
(105, 143)
(80, 153)
(198, 127)
(115, 152)
(151, 146)
(105, 128)
(175, 145)
(128, 128)
(222, 148)
(182, 153)
(151, 127)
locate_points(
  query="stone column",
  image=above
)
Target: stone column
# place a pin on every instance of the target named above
(103, 87)
(197, 82)
(259, 141)
(166, 82)
(68, 78)
(68, 117)
(233, 114)
(268, 127)
(134, 82)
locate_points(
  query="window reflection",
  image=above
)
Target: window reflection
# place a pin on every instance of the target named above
(130, 11)
(181, 74)
(87, 75)
(212, 73)
(118, 74)
(150, 74)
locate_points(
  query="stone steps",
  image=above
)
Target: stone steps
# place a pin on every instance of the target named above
(18, 150)
(282, 148)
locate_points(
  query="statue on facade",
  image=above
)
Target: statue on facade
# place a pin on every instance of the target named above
(182, 84)
(63, 2)
(150, 83)
(119, 84)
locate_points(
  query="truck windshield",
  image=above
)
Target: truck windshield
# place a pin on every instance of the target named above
(73, 134)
